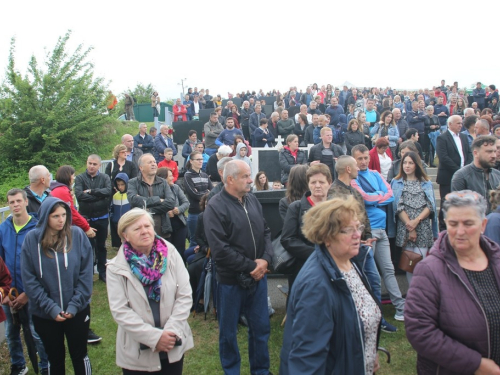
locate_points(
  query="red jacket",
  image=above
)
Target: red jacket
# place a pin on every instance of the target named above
(172, 165)
(180, 111)
(5, 281)
(374, 164)
(62, 192)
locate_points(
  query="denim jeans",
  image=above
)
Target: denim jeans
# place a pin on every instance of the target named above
(13, 336)
(382, 254)
(232, 301)
(210, 151)
(371, 272)
(192, 221)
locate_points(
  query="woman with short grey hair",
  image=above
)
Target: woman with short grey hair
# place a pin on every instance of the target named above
(453, 304)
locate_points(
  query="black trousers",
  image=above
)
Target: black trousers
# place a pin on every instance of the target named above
(116, 241)
(99, 243)
(443, 190)
(178, 237)
(167, 368)
(76, 331)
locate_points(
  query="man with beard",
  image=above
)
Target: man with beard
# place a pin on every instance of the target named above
(479, 176)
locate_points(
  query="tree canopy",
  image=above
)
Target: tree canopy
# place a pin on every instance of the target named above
(52, 115)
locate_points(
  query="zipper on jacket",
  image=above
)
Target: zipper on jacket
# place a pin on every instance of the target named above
(475, 299)
(251, 230)
(59, 279)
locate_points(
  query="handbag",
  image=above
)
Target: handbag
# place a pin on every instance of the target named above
(283, 261)
(409, 259)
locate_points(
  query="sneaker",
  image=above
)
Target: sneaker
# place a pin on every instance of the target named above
(18, 370)
(92, 338)
(400, 317)
(387, 327)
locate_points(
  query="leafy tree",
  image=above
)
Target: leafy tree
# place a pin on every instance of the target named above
(51, 116)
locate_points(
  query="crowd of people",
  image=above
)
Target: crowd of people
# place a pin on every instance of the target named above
(362, 184)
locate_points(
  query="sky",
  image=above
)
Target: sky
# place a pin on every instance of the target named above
(230, 46)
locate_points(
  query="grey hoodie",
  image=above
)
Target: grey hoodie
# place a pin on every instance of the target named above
(245, 158)
(63, 282)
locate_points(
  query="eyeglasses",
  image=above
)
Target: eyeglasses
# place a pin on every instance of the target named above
(197, 159)
(350, 230)
(465, 194)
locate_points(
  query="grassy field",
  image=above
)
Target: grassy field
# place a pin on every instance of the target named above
(204, 357)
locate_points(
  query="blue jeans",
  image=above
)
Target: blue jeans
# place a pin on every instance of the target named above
(210, 151)
(192, 221)
(371, 272)
(13, 336)
(232, 301)
(382, 254)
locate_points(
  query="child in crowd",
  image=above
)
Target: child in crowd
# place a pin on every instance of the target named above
(277, 185)
(119, 206)
(169, 163)
(241, 154)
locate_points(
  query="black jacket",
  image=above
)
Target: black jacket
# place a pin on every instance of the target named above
(292, 238)
(147, 143)
(129, 168)
(352, 139)
(300, 133)
(237, 234)
(449, 158)
(95, 203)
(316, 151)
(139, 196)
(196, 185)
(473, 178)
(33, 202)
(287, 161)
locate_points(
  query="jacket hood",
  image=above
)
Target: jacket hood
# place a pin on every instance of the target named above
(238, 148)
(55, 184)
(121, 176)
(43, 214)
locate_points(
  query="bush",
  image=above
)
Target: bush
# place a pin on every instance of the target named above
(52, 116)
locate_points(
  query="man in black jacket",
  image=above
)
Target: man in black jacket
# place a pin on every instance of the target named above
(325, 152)
(240, 241)
(143, 140)
(93, 192)
(38, 189)
(451, 158)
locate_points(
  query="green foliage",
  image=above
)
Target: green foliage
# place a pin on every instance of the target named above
(52, 115)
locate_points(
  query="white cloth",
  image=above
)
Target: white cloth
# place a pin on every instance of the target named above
(458, 142)
(385, 164)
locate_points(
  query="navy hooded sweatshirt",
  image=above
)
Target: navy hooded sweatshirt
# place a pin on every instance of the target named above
(63, 281)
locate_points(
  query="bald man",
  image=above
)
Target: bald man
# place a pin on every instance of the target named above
(38, 189)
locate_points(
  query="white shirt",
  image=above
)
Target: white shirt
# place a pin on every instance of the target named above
(458, 143)
(309, 118)
(385, 164)
(196, 107)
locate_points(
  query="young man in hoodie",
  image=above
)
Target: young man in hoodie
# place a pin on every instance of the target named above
(377, 193)
(119, 206)
(12, 233)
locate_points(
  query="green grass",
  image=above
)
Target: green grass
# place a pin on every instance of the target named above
(204, 357)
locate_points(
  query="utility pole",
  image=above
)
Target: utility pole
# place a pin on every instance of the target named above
(182, 84)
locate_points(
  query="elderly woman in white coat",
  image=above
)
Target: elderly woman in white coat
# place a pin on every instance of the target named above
(150, 299)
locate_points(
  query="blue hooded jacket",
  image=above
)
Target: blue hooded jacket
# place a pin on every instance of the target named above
(120, 203)
(323, 331)
(62, 282)
(10, 248)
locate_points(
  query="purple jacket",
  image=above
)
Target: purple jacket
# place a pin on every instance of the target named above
(444, 322)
